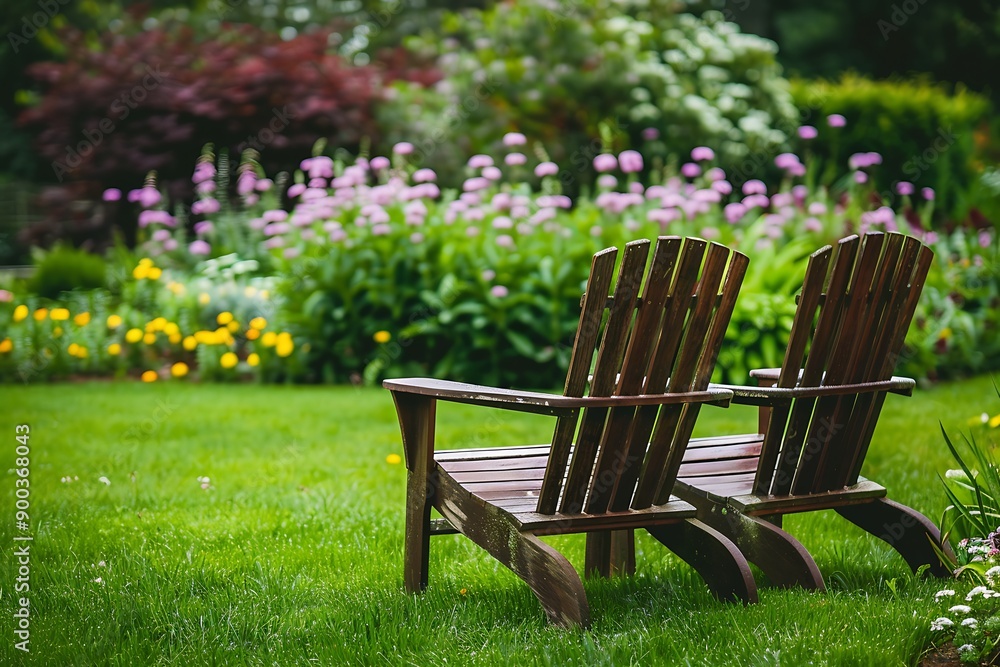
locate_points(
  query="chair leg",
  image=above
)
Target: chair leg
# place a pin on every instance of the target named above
(904, 529)
(610, 553)
(784, 560)
(714, 556)
(416, 549)
(546, 571)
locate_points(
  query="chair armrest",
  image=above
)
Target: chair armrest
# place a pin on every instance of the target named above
(541, 403)
(769, 396)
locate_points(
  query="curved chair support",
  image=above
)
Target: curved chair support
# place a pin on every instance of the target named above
(904, 529)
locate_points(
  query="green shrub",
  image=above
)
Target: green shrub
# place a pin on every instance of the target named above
(560, 71)
(64, 269)
(924, 133)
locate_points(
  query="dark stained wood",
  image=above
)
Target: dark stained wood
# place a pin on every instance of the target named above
(654, 358)
(817, 421)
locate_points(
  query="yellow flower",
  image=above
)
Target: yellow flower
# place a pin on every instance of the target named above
(253, 334)
(179, 370)
(382, 336)
(133, 335)
(114, 349)
(59, 314)
(41, 314)
(204, 298)
(146, 261)
(264, 293)
(57, 332)
(393, 459)
(995, 421)
(158, 324)
(149, 376)
(149, 338)
(171, 328)
(114, 321)
(222, 335)
(233, 326)
(269, 339)
(72, 349)
(140, 272)
(6, 345)
(81, 352)
(189, 343)
(205, 337)
(174, 338)
(176, 287)
(253, 359)
(228, 360)
(82, 319)
(20, 313)
(154, 273)
(258, 323)
(224, 318)
(945, 334)
(284, 345)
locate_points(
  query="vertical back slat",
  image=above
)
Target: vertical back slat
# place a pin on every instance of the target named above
(591, 313)
(605, 374)
(802, 330)
(620, 450)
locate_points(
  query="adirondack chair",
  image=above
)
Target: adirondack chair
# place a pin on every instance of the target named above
(817, 416)
(630, 429)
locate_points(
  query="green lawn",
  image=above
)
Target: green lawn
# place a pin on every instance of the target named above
(294, 554)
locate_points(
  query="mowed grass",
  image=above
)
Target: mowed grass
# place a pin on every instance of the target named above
(294, 555)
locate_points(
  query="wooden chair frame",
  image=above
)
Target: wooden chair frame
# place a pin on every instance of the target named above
(615, 452)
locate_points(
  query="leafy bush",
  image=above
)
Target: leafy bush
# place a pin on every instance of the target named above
(64, 269)
(559, 71)
(924, 134)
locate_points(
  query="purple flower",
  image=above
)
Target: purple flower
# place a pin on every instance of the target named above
(149, 197)
(203, 171)
(904, 188)
(296, 189)
(812, 225)
(112, 194)
(715, 174)
(403, 148)
(863, 160)
(985, 239)
(205, 187)
(492, 173)
(199, 247)
(786, 160)
(6, 296)
(754, 187)
(475, 184)
(416, 238)
(245, 183)
(754, 201)
(630, 161)
(860, 177)
(505, 241)
(722, 187)
(606, 181)
(605, 162)
(161, 235)
(690, 170)
(836, 120)
(499, 291)
(133, 195)
(203, 227)
(480, 161)
(514, 139)
(651, 134)
(663, 216)
(276, 228)
(263, 185)
(205, 207)
(170, 245)
(817, 208)
(291, 253)
(734, 212)
(515, 159)
(702, 153)
(274, 215)
(379, 162)
(150, 217)
(546, 169)
(381, 229)
(927, 193)
(807, 132)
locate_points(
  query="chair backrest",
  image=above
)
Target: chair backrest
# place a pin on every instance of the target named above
(667, 340)
(871, 290)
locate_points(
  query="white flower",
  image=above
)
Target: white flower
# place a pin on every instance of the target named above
(978, 590)
(961, 609)
(99, 581)
(941, 624)
(993, 574)
(104, 480)
(970, 623)
(965, 648)
(947, 592)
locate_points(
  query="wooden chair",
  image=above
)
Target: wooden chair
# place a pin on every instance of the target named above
(631, 430)
(817, 416)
